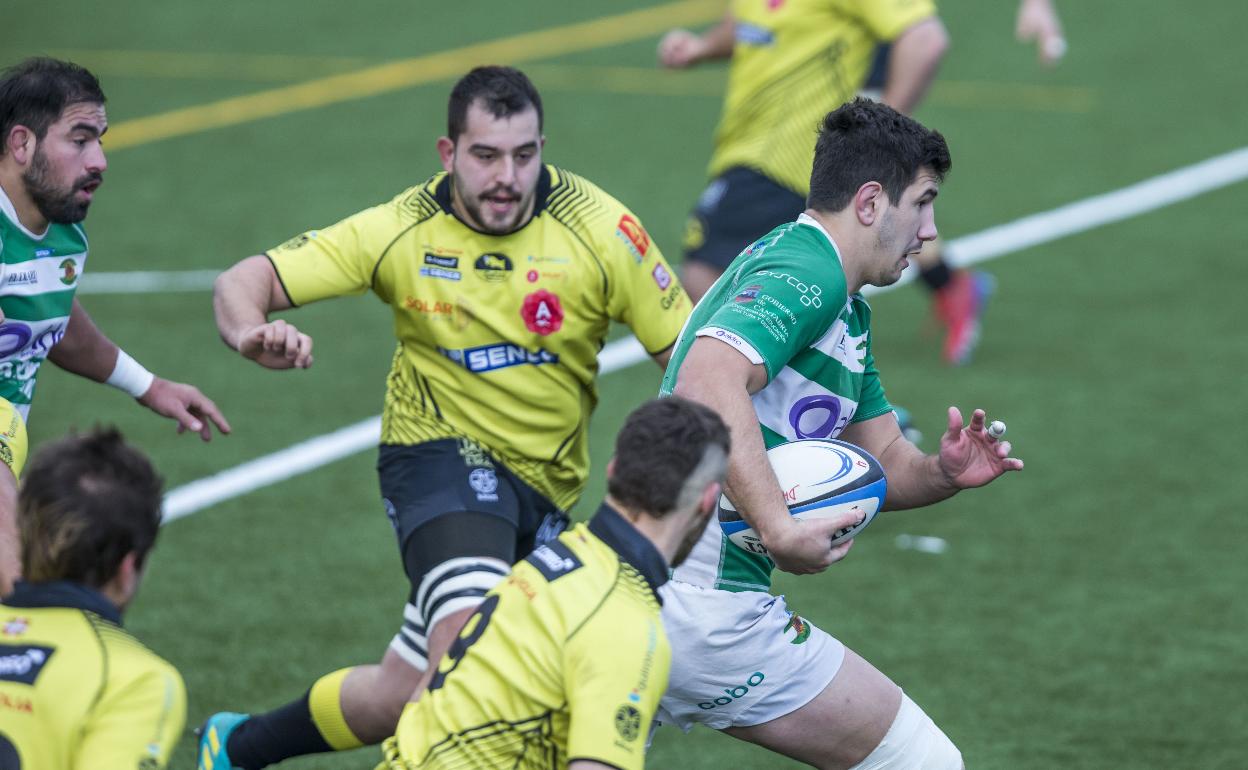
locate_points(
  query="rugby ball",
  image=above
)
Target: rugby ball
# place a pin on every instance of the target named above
(820, 478)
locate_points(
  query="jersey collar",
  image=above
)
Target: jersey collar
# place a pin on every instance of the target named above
(807, 219)
(632, 546)
(10, 211)
(63, 593)
(442, 194)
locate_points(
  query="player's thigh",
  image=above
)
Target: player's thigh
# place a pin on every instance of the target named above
(737, 208)
(838, 728)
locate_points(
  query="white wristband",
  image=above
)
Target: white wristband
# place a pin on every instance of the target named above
(130, 376)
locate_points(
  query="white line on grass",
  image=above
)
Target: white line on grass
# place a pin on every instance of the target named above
(1087, 214)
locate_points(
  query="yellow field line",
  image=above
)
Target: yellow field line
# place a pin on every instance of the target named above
(406, 73)
(181, 65)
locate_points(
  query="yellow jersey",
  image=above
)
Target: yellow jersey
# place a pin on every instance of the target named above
(13, 441)
(498, 334)
(76, 691)
(566, 659)
(793, 62)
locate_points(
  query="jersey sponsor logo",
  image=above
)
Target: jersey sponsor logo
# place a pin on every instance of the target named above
(531, 277)
(748, 294)
(733, 693)
(553, 560)
(671, 297)
(752, 34)
(23, 663)
(493, 267)
(16, 703)
(298, 242)
(817, 417)
(661, 276)
(628, 722)
(634, 236)
(474, 455)
(542, 312)
(550, 260)
(435, 307)
(799, 627)
(501, 355)
(647, 663)
(484, 481)
(774, 5)
(439, 272)
(21, 278)
(16, 626)
(16, 336)
(41, 253)
(69, 272)
(808, 293)
(441, 260)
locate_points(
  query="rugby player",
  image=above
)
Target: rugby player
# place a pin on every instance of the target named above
(13, 448)
(503, 275)
(781, 349)
(51, 164)
(76, 690)
(564, 662)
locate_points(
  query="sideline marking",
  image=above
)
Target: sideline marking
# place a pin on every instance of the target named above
(406, 73)
(1140, 198)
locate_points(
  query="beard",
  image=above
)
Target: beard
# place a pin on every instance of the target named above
(691, 539)
(889, 244)
(474, 206)
(56, 204)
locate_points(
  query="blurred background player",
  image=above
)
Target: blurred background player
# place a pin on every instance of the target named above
(781, 349)
(79, 692)
(503, 275)
(564, 663)
(13, 448)
(792, 61)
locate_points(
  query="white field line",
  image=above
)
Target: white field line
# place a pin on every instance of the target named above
(1087, 214)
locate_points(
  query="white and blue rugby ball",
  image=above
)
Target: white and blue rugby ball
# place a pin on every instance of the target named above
(820, 478)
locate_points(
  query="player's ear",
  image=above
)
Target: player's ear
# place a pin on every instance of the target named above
(869, 203)
(611, 468)
(709, 502)
(20, 144)
(446, 152)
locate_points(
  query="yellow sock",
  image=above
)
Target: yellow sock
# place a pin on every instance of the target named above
(325, 703)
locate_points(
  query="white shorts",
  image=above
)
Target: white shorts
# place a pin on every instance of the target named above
(740, 659)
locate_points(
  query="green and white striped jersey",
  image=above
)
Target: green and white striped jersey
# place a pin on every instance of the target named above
(38, 277)
(783, 303)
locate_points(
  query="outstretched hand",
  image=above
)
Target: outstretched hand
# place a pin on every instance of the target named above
(681, 48)
(276, 345)
(970, 456)
(1038, 23)
(184, 403)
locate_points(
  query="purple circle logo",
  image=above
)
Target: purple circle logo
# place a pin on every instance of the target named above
(13, 337)
(815, 406)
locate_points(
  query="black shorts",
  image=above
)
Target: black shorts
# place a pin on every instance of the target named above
(737, 208)
(878, 75)
(455, 479)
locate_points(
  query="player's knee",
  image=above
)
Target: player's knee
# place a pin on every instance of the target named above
(913, 742)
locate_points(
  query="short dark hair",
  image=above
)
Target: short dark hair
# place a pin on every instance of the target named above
(664, 443)
(35, 92)
(503, 91)
(86, 501)
(864, 141)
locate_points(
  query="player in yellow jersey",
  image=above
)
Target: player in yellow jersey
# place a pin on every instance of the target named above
(503, 275)
(76, 691)
(564, 662)
(792, 62)
(13, 447)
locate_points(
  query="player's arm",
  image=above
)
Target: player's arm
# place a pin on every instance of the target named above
(88, 352)
(719, 376)
(681, 48)
(136, 724)
(912, 63)
(969, 457)
(10, 552)
(1038, 23)
(242, 299)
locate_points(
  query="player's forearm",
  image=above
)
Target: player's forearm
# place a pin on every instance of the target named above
(84, 349)
(912, 64)
(719, 40)
(242, 298)
(915, 479)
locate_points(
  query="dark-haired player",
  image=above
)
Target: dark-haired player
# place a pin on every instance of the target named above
(503, 275)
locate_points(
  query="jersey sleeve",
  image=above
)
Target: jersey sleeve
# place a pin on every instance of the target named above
(336, 261)
(137, 722)
(643, 291)
(887, 19)
(615, 671)
(777, 308)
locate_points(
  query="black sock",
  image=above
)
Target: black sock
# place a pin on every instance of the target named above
(936, 276)
(267, 739)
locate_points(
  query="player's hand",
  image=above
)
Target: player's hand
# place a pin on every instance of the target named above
(276, 345)
(803, 547)
(1038, 23)
(184, 403)
(970, 456)
(681, 48)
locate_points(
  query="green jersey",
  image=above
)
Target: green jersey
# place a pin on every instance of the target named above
(38, 277)
(783, 303)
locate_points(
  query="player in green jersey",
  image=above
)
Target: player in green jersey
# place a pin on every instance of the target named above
(780, 347)
(51, 164)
